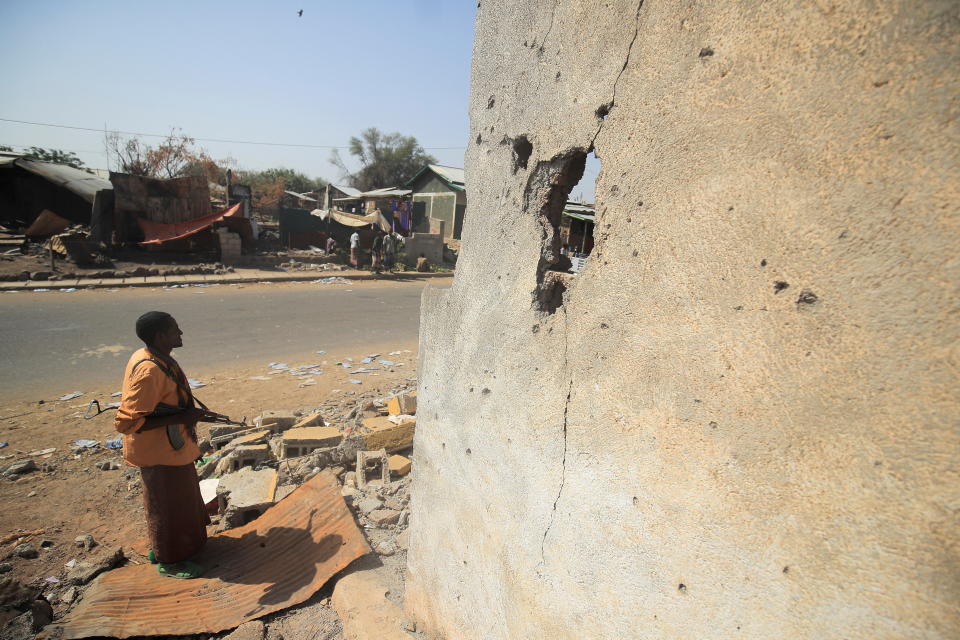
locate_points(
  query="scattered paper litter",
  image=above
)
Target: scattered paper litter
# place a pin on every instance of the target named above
(401, 418)
(41, 452)
(111, 405)
(116, 443)
(86, 444)
(387, 363)
(373, 355)
(333, 280)
(354, 381)
(308, 366)
(394, 353)
(367, 360)
(261, 378)
(116, 394)
(71, 396)
(322, 353)
(278, 365)
(309, 382)
(69, 290)
(346, 365)
(40, 290)
(363, 370)
(71, 563)
(196, 384)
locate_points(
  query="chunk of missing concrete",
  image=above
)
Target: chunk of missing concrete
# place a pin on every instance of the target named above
(399, 465)
(245, 495)
(382, 433)
(360, 599)
(403, 404)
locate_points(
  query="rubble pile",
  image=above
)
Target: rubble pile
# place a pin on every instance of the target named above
(244, 471)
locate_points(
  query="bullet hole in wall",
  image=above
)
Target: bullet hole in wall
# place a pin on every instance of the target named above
(522, 149)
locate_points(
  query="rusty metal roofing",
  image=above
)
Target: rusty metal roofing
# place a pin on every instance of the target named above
(278, 560)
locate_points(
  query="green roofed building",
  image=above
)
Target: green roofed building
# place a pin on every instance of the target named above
(439, 195)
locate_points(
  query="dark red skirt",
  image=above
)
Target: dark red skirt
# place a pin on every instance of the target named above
(176, 516)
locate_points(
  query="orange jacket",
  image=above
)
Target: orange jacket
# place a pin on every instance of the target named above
(143, 389)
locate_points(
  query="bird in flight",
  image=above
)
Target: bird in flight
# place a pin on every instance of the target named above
(300, 13)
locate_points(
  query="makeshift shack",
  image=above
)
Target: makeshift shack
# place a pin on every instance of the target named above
(28, 188)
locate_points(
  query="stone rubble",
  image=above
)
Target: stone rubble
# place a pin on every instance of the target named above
(341, 427)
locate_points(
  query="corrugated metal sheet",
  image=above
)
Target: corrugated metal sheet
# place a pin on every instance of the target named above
(349, 191)
(278, 560)
(76, 181)
(450, 174)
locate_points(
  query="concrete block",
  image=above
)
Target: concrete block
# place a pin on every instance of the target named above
(312, 420)
(277, 421)
(399, 465)
(253, 630)
(384, 434)
(246, 494)
(369, 505)
(363, 467)
(257, 437)
(403, 404)
(250, 456)
(382, 517)
(360, 600)
(300, 441)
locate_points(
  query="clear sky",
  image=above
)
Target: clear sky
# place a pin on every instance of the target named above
(238, 71)
(242, 71)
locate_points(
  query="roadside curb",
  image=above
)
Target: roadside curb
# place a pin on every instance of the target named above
(228, 278)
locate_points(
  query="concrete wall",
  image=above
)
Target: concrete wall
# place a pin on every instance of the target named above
(673, 445)
(429, 244)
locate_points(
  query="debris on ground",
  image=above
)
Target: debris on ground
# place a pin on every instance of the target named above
(248, 474)
(309, 537)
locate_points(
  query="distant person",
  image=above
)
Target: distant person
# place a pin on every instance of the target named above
(376, 252)
(331, 245)
(355, 250)
(158, 419)
(389, 251)
(422, 265)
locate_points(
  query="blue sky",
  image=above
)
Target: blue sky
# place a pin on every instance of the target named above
(238, 71)
(251, 71)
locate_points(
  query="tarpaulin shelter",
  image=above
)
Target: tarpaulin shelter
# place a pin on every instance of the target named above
(354, 220)
(156, 233)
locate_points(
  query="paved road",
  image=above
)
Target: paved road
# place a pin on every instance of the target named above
(52, 341)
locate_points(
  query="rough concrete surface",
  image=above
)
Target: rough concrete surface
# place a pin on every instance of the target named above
(675, 445)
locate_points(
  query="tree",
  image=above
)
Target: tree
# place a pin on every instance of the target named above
(56, 156)
(268, 185)
(168, 160)
(386, 160)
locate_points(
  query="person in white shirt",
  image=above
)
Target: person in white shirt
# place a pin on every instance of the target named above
(355, 250)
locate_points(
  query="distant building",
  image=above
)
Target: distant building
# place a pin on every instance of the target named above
(439, 196)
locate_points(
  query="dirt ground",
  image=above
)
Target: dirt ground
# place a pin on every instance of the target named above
(69, 496)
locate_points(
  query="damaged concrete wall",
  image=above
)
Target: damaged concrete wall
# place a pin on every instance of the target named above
(740, 419)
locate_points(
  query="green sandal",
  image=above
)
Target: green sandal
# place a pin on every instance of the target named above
(152, 557)
(185, 570)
